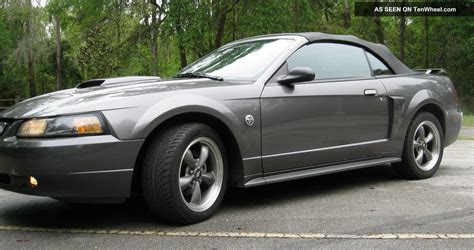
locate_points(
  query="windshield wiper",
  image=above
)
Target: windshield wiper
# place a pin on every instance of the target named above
(199, 75)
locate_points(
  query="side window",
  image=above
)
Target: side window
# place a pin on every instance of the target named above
(331, 60)
(378, 67)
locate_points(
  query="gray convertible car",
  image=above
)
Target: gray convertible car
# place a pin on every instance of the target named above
(256, 111)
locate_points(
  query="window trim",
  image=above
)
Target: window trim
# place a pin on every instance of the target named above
(368, 62)
(338, 79)
(272, 81)
(366, 52)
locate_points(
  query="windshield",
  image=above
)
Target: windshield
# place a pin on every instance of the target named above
(243, 61)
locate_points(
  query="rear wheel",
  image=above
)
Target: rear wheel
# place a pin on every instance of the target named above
(185, 177)
(423, 148)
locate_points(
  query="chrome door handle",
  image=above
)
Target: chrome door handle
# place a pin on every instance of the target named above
(370, 92)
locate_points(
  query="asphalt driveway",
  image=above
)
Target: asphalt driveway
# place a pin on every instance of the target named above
(363, 208)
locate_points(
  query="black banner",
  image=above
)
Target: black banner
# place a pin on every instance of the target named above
(414, 8)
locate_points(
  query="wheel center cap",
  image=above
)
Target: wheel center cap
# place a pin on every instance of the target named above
(198, 173)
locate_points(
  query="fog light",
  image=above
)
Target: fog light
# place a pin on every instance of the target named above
(32, 181)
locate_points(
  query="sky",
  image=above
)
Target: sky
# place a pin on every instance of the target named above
(41, 3)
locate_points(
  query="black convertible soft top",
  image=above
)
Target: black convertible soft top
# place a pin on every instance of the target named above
(379, 50)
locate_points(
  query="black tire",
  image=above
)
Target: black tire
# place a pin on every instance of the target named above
(161, 173)
(408, 167)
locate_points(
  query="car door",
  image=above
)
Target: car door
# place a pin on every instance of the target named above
(342, 115)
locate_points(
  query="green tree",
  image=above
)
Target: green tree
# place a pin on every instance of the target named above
(45, 48)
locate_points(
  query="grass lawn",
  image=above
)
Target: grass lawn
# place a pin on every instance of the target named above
(468, 121)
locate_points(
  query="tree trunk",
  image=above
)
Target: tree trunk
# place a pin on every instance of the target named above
(117, 20)
(347, 15)
(427, 42)
(154, 56)
(221, 23)
(296, 14)
(146, 23)
(379, 30)
(233, 24)
(181, 47)
(2, 71)
(326, 11)
(59, 84)
(402, 37)
(31, 65)
(220, 29)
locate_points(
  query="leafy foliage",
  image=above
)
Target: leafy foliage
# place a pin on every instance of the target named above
(106, 38)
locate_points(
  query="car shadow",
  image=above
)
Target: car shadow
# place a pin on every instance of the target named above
(50, 213)
(292, 191)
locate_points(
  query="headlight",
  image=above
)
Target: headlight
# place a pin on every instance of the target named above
(77, 125)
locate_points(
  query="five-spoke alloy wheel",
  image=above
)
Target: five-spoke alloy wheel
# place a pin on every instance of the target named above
(426, 145)
(423, 148)
(201, 174)
(184, 173)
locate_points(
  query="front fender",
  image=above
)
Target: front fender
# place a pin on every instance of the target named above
(230, 112)
(176, 105)
(140, 122)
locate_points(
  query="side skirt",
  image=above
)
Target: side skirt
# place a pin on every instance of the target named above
(318, 171)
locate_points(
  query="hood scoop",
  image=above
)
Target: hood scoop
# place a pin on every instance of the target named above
(117, 81)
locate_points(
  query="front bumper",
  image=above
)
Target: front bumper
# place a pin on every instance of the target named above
(93, 167)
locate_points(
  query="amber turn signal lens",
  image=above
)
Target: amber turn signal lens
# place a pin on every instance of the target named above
(32, 181)
(88, 125)
(33, 128)
(63, 126)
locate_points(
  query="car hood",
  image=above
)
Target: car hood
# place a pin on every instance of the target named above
(108, 97)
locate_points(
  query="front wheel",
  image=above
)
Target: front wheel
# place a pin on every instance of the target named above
(423, 148)
(185, 176)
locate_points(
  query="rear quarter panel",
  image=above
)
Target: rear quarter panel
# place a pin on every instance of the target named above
(410, 93)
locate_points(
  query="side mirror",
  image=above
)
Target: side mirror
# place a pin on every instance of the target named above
(298, 74)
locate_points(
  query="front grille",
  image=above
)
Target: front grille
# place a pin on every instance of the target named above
(3, 127)
(4, 124)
